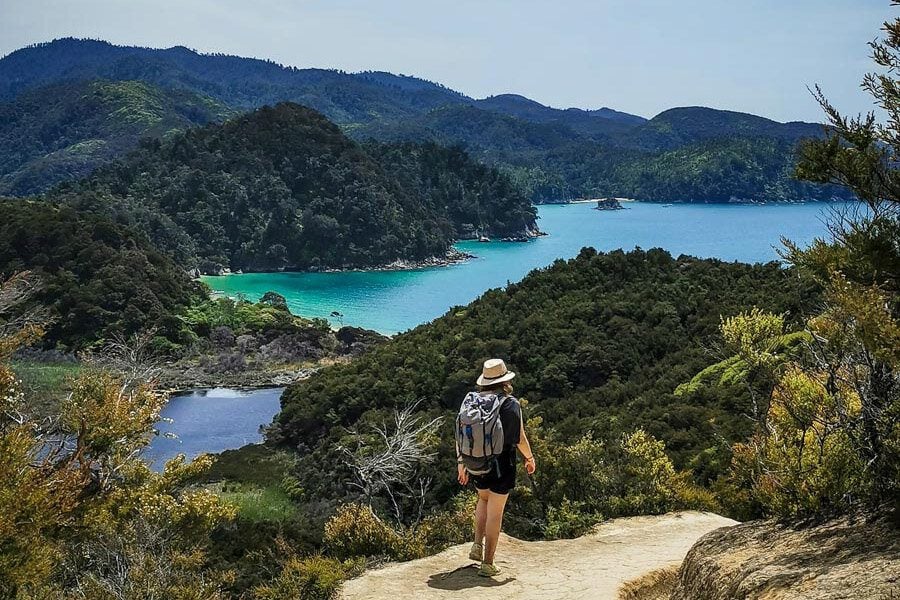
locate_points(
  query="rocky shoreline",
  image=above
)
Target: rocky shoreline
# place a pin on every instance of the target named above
(452, 257)
(176, 380)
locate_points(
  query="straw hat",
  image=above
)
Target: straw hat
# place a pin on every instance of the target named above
(494, 371)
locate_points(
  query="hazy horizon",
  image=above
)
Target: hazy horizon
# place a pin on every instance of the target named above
(639, 56)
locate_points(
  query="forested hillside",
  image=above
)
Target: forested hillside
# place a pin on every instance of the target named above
(240, 82)
(283, 188)
(599, 344)
(552, 154)
(64, 131)
(95, 279)
(681, 155)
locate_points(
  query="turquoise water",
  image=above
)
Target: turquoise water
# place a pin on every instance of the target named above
(393, 301)
(212, 420)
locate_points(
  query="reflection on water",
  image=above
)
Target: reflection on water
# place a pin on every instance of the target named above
(213, 420)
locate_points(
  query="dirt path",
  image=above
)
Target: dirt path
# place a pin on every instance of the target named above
(590, 567)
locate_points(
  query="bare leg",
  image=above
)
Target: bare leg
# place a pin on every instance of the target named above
(495, 505)
(481, 510)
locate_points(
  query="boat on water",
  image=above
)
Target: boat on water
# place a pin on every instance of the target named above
(484, 238)
(667, 205)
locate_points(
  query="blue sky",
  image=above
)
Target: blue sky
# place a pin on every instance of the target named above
(640, 56)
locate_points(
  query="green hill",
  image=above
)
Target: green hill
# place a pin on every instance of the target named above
(98, 279)
(551, 153)
(243, 83)
(683, 155)
(284, 188)
(65, 130)
(599, 344)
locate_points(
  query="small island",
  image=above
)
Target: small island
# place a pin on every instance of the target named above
(609, 204)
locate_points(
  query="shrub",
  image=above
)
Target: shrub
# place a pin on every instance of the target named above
(577, 484)
(689, 495)
(310, 578)
(569, 520)
(807, 464)
(645, 476)
(448, 527)
(355, 530)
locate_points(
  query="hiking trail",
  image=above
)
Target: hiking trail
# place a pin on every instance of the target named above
(590, 567)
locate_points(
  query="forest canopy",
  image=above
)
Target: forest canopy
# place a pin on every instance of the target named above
(600, 344)
(96, 278)
(284, 188)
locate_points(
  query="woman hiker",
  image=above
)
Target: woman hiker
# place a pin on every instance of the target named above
(489, 430)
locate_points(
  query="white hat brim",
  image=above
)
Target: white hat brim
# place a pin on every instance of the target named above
(502, 379)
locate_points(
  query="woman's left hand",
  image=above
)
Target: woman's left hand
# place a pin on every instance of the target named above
(462, 475)
(530, 465)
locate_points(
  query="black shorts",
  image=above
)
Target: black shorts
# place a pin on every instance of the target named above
(502, 482)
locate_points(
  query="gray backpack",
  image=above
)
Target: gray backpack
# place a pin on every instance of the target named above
(479, 432)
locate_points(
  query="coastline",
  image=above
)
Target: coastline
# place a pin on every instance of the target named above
(452, 257)
(176, 381)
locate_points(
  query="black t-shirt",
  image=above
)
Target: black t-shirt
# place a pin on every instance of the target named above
(511, 419)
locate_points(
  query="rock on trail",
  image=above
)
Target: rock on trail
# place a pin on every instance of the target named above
(590, 567)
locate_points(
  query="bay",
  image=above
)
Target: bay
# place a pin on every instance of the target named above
(394, 301)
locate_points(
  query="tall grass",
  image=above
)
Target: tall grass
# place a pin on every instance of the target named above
(258, 504)
(45, 383)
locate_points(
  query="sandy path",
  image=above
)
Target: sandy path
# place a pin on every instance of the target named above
(591, 567)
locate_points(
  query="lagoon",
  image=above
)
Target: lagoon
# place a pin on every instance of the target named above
(394, 301)
(212, 420)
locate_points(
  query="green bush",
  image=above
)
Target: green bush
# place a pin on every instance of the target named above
(258, 504)
(445, 528)
(355, 531)
(643, 477)
(569, 520)
(310, 578)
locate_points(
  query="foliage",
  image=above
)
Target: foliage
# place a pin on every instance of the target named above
(447, 527)
(584, 481)
(814, 451)
(282, 187)
(830, 440)
(599, 344)
(807, 458)
(313, 577)
(80, 514)
(355, 530)
(98, 278)
(755, 344)
(683, 154)
(478, 199)
(44, 383)
(66, 130)
(258, 504)
(569, 520)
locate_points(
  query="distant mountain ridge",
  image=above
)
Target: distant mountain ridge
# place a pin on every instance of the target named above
(238, 81)
(554, 154)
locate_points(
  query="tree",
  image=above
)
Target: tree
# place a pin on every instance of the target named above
(858, 337)
(81, 514)
(828, 439)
